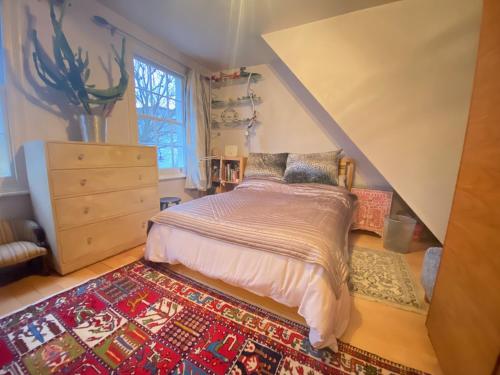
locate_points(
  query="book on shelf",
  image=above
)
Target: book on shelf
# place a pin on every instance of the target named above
(231, 173)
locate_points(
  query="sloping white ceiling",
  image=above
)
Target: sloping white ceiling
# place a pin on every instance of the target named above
(397, 78)
(224, 34)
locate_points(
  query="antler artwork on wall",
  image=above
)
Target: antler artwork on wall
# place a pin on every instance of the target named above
(69, 71)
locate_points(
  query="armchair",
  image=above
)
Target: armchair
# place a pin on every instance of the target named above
(22, 241)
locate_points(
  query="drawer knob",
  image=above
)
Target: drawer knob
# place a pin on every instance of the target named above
(143, 224)
(141, 200)
(139, 157)
(140, 177)
(81, 156)
(86, 210)
(89, 240)
(83, 181)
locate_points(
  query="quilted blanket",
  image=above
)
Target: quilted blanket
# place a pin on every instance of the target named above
(308, 222)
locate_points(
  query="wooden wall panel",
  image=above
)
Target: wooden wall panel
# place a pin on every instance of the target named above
(464, 317)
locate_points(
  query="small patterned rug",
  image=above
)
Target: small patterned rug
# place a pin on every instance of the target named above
(146, 319)
(384, 276)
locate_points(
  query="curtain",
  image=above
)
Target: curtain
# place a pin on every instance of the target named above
(197, 131)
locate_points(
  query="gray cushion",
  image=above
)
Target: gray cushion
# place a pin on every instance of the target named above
(266, 165)
(320, 168)
(432, 258)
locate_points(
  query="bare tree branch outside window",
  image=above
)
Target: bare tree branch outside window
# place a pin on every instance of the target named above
(160, 110)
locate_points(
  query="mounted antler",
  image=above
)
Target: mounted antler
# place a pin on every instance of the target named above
(69, 71)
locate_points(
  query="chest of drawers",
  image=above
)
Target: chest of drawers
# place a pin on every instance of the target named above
(93, 200)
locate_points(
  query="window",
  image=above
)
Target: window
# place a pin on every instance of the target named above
(159, 102)
(5, 170)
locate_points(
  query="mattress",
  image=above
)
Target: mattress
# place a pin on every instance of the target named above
(286, 280)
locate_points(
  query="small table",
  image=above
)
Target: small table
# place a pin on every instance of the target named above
(165, 202)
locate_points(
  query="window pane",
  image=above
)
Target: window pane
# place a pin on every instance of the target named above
(160, 107)
(160, 110)
(4, 157)
(169, 138)
(175, 110)
(4, 143)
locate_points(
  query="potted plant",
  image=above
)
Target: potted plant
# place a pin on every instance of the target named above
(68, 71)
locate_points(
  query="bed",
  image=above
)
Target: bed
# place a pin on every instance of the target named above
(284, 241)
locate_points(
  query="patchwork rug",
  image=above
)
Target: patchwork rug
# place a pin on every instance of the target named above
(384, 276)
(146, 319)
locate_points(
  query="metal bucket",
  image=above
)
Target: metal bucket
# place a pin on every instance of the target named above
(94, 128)
(398, 232)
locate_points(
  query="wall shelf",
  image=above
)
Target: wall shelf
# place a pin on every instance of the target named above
(235, 102)
(235, 81)
(232, 124)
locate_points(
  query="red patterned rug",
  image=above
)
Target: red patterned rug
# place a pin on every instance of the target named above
(146, 319)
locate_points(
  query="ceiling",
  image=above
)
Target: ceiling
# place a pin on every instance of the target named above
(222, 34)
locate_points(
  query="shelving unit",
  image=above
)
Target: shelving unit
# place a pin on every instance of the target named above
(227, 172)
(235, 81)
(230, 118)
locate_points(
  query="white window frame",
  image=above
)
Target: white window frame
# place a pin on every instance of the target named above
(164, 173)
(8, 184)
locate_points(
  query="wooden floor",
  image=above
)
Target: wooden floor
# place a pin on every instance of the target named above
(395, 334)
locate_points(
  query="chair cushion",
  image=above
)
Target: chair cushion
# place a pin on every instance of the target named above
(19, 252)
(20, 230)
(7, 234)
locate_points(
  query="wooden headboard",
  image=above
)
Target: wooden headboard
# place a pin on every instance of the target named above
(346, 168)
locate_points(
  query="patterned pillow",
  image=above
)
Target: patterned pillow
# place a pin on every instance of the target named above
(322, 168)
(266, 165)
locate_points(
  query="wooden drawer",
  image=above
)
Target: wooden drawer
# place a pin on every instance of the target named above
(88, 181)
(74, 155)
(90, 208)
(97, 241)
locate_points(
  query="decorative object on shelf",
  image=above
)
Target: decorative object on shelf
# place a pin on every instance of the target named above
(373, 207)
(235, 78)
(230, 150)
(69, 72)
(229, 115)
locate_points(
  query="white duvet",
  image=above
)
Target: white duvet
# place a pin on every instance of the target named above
(288, 281)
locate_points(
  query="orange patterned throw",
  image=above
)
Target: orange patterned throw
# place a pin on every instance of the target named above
(373, 207)
(145, 319)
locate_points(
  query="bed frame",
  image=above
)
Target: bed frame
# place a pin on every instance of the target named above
(346, 169)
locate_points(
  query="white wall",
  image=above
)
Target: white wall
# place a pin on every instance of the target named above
(289, 122)
(35, 112)
(397, 78)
